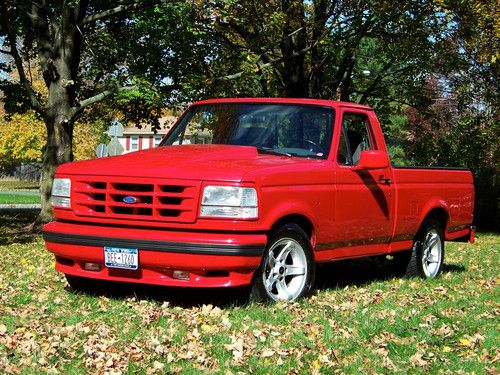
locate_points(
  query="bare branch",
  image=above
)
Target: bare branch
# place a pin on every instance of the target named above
(241, 73)
(38, 17)
(116, 10)
(103, 95)
(270, 62)
(376, 81)
(11, 38)
(6, 52)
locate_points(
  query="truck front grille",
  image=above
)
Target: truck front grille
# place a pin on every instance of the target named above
(158, 200)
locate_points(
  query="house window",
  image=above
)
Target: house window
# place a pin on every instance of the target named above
(134, 142)
(157, 140)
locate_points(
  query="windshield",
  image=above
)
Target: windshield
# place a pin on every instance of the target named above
(297, 130)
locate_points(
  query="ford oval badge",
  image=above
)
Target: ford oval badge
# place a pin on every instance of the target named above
(129, 199)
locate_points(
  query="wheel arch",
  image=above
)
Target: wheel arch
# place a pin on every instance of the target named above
(440, 214)
(302, 221)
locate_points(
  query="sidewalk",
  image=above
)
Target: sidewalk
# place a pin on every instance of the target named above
(19, 207)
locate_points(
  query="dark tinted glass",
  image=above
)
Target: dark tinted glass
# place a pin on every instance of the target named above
(300, 130)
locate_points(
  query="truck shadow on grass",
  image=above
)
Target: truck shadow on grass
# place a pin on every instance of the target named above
(361, 272)
(13, 226)
(329, 277)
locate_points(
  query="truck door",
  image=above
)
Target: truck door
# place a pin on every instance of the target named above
(363, 199)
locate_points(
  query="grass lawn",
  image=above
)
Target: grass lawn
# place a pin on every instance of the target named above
(18, 199)
(358, 321)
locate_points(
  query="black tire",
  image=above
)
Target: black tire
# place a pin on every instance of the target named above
(426, 258)
(287, 269)
(83, 284)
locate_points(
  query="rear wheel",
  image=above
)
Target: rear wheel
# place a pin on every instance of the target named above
(427, 256)
(287, 270)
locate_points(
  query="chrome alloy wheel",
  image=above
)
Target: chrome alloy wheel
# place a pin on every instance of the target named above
(285, 271)
(432, 253)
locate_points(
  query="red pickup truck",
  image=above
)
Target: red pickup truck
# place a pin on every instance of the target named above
(255, 192)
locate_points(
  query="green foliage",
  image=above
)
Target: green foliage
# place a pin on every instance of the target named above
(378, 52)
(449, 134)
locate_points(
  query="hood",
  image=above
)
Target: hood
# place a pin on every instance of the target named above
(191, 162)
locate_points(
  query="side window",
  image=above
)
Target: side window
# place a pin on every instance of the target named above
(354, 138)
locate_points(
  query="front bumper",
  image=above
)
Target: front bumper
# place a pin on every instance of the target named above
(212, 259)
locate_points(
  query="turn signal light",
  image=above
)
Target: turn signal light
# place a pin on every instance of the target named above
(180, 275)
(92, 266)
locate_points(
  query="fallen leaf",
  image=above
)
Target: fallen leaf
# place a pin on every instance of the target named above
(158, 365)
(418, 359)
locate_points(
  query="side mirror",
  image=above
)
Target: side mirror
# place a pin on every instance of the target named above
(372, 159)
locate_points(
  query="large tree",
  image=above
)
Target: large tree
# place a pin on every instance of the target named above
(88, 51)
(142, 54)
(347, 50)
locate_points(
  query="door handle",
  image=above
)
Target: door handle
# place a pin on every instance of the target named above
(384, 180)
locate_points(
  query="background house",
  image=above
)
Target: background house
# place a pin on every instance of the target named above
(135, 139)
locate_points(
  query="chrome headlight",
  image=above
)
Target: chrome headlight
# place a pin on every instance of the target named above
(61, 193)
(230, 202)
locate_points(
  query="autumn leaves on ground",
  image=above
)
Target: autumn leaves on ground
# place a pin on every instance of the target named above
(359, 321)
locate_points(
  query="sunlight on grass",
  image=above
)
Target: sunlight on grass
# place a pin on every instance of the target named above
(19, 199)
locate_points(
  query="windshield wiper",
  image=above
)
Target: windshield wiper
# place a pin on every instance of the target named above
(272, 151)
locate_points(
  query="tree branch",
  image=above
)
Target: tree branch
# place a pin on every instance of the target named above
(11, 37)
(38, 17)
(376, 81)
(273, 61)
(103, 95)
(116, 10)
(6, 52)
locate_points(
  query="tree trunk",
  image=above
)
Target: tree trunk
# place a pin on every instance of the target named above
(294, 41)
(59, 123)
(317, 81)
(60, 73)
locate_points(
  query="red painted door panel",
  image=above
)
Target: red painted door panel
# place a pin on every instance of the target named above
(364, 199)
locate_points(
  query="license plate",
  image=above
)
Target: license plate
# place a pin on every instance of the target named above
(118, 257)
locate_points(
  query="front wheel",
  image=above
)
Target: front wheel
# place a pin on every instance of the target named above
(287, 269)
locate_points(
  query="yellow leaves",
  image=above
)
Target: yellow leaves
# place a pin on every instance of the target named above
(315, 365)
(464, 342)
(86, 139)
(208, 328)
(472, 342)
(495, 57)
(22, 138)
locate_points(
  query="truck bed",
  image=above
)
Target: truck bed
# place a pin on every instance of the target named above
(419, 188)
